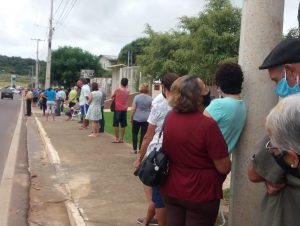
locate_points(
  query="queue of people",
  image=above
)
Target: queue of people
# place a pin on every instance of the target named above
(199, 136)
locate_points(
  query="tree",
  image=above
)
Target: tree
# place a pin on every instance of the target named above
(214, 36)
(165, 53)
(292, 33)
(67, 63)
(199, 45)
(135, 48)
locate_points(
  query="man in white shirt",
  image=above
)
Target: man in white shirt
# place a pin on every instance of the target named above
(61, 97)
(83, 101)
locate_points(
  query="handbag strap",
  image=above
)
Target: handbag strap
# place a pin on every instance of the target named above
(162, 128)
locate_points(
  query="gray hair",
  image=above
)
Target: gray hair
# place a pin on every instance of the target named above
(283, 124)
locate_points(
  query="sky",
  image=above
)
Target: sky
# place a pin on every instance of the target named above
(101, 27)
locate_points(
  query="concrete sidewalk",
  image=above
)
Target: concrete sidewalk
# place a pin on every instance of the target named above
(97, 174)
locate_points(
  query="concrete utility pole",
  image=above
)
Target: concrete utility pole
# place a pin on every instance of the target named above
(37, 62)
(48, 67)
(261, 30)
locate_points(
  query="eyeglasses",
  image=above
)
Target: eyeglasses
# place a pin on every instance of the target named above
(275, 150)
(270, 147)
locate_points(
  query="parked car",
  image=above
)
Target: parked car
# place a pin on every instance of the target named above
(14, 90)
(7, 93)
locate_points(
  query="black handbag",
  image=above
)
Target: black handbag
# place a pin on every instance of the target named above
(155, 167)
(113, 105)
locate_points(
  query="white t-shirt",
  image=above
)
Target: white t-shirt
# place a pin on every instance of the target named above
(159, 110)
(85, 92)
(157, 99)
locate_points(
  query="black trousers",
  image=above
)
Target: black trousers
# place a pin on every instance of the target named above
(136, 126)
(28, 107)
(102, 121)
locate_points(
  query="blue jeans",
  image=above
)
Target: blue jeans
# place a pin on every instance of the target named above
(157, 198)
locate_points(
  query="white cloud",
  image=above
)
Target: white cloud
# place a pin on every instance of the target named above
(99, 26)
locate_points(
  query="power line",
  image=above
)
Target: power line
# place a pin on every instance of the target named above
(68, 12)
(58, 7)
(65, 13)
(63, 10)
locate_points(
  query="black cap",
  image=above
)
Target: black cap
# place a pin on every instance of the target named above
(286, 52)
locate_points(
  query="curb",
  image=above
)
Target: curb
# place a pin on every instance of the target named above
(74, 214)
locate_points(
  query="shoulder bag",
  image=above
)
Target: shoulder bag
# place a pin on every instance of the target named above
(155, 167)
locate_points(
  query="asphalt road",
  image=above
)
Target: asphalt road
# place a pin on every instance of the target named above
(18, 204)
(9, 111)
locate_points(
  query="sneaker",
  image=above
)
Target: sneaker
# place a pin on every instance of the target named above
(153, 221)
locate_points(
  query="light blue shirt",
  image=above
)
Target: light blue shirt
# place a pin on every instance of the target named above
(51, 94)
(230, 115)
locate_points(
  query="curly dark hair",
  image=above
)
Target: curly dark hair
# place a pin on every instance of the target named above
(229, 77)
(124, 81)
(186, 94)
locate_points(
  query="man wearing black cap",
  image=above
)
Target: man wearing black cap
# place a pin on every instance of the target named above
(284, 59)
(283, 63)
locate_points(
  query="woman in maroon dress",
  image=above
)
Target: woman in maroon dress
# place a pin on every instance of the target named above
(198, 158)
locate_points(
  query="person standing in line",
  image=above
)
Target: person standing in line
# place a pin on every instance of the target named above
(283, 59)
(266, 165)
(198, 158)
(94, 111)
(102, 121)
(83, 101)
(60, 97)
(160, 109)
(79, 84)
(43, 102)
(140, 111)
(35, 93)
(72, 97)
(229, 112)
(121, 96)
(51, 98)
(28, 98)
(63, 96)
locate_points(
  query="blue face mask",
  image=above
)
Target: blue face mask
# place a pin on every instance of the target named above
(283, 89)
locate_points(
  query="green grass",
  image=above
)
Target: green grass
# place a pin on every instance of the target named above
(226, 194)
(108, 116)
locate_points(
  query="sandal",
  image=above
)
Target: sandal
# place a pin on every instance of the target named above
(116, 141)
(83, 127)
(92, 135)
